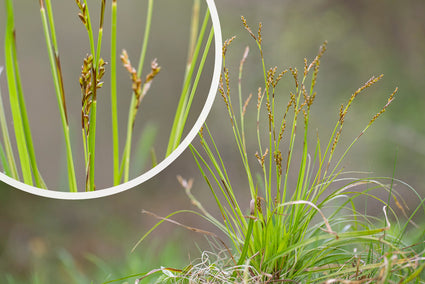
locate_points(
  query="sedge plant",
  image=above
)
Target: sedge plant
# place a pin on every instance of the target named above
(303, 223)
(94, 67)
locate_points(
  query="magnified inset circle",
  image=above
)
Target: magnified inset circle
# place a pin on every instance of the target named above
(141, 76)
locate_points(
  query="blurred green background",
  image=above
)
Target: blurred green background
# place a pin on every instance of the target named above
(40, 236)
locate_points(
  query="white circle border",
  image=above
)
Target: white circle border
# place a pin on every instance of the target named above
(164, 163)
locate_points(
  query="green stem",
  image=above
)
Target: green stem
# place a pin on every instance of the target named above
(90, 32)
(100, 34)
(92, 142)
(177, 128)
(194, 26)
(133, 109)
(114, 106)
(145, 38)
(53, 58)
(195, 83)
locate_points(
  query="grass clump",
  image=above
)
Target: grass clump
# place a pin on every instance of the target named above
(304, 222)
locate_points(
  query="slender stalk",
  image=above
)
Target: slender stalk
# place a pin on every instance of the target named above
(59, 90)
(100, 34)
(194, 27)
(89, 28)
(125, 164)
(92, 144)
(114, 106)
(145, 38)
(93, 119)
(196, 81)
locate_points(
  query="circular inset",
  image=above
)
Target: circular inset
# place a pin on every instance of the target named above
(94, 68)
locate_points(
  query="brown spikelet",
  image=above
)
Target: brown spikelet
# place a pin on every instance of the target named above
(86, 90)
(305, 115)
(83, 13)
(226, 44)
(322, 50)
(294, 72)
(259, 96)
(390, 100)
(100, 72)
(341, 112)
(262, 158)
(201, 134)
(278, 160)
(241, 64)
(82, 18)
(287, 161)
(244, 57)
(248, 28)
(258, 204)
(269, 114)
(222, 91)
(370, 82)
(316, 71)
(264, 155)
(136, 81)
(304, 92)
(335, 142)
(312, 97)
(227, 82)
(300, 108)
(293, 99)
(279, 77)
(90, 81)
(246, 104)
(283, 127)
(155, 68)
(260, 26)
(270, 76)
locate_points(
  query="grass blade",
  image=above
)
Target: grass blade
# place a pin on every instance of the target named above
(11, 75)
(114, 105)
(59, 90)
(9, 163)
(183, 107)
(27, 130)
